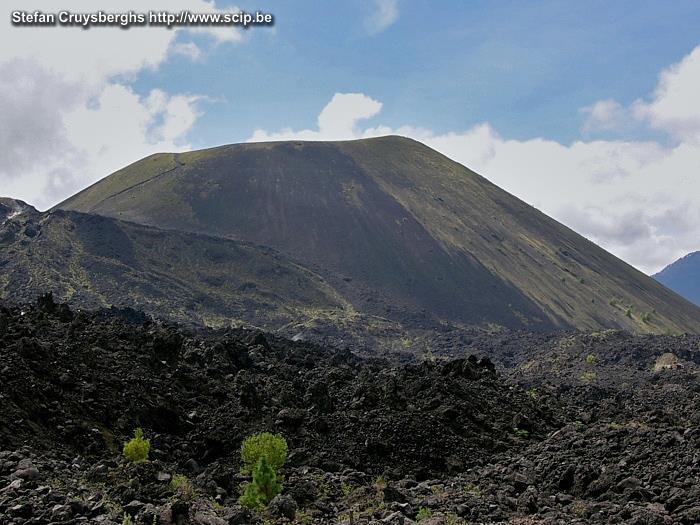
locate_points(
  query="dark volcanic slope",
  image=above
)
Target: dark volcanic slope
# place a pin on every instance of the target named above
(398, 229)
(95, 261)
(683, 277)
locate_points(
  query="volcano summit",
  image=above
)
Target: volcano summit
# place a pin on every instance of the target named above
(398, 230)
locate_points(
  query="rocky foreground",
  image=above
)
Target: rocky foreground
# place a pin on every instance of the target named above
(596, 428)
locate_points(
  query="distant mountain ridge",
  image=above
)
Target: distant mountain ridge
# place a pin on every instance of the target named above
(683, 277)
(398, 230)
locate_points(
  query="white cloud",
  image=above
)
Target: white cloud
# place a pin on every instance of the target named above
(605, 115)
(337, 120)
(342, 113)
(674, 107)
(68, 114)
(138, 126)
(384, 14)
(98, 53)
(31, 127)
(638, 199)
(96, 138)
(187, 49)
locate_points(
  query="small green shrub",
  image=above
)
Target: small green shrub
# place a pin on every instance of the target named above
(423, 514)
(302, 518)
(472, 489)
(346, 489)
(579, 508)
(182, 485)
(323, 488)
(272, 446)
(521, 433)
(179, 481)
(494, 328)
(263, 488)
(126, 520)
(453, 519)
(380, 483)
(533, 394)
(588, 377)
(591, 359)
(136, 449)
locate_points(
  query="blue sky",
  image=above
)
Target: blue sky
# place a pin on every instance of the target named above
(586, 110)
(525, 67)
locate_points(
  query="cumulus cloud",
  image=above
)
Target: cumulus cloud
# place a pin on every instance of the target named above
(337, 120)
(384, 14)
(674, 107)
(187, 49)
(638, 199)
(137, 125)
(605, 115)
(69, 115)
(103, 52)
(31, 125)
(96, 138)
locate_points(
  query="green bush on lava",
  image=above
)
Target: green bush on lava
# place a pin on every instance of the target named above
(262, 454)
(259, 492)
(521, 433)
(272, 446)
(423, 514)
(137, 448)
(181, 485)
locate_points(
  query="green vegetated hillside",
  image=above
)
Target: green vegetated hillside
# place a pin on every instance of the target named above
(397, 230)
(93, 261)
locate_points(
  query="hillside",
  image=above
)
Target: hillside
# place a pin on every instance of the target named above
(683, 277)
(399, 230)
(93, 261)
